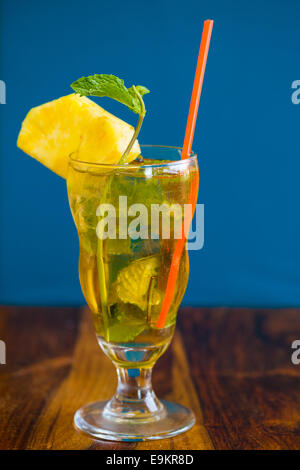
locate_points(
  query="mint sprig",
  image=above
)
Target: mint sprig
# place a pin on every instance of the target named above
(113, 87)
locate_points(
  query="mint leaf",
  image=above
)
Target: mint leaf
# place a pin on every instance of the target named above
(126, 323)
(111, 87)
(133, 282)
(140, 190)
(141, 89)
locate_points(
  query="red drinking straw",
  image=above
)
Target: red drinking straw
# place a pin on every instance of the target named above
(186, 151)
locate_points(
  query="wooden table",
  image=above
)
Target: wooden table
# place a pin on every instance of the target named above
(231, 366)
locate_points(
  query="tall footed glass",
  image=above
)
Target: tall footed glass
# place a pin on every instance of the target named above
(130, 219)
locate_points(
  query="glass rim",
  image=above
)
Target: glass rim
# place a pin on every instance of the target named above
(127, 166)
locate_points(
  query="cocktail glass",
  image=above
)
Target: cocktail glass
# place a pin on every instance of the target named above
(126, 253)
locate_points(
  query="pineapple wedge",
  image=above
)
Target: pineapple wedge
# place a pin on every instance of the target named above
(73, 123)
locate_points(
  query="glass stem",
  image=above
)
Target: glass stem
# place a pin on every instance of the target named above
(134, 397)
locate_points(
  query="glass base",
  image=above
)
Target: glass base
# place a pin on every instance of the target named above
(94, 420)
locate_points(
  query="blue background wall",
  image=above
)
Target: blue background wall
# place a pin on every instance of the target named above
(247, 136)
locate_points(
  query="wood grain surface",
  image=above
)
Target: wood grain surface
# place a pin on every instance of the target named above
(231, 366)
